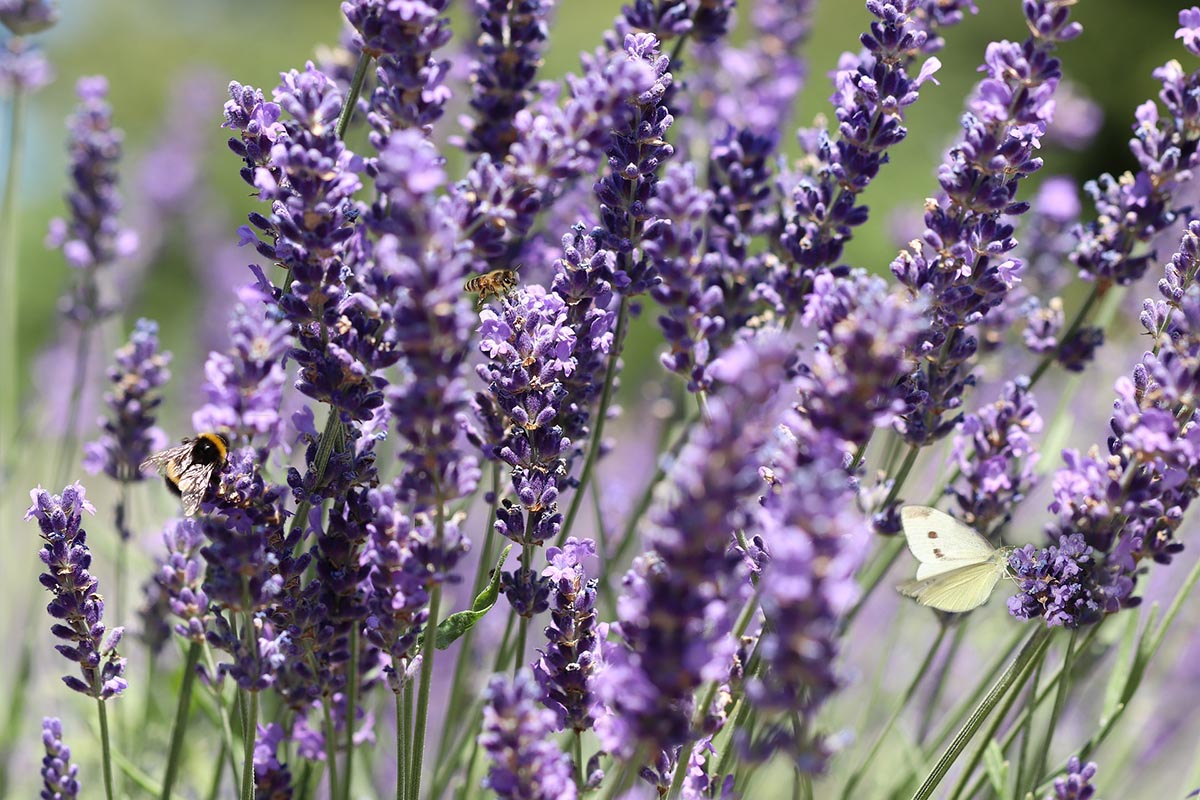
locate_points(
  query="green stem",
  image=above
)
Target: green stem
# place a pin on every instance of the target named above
(884, 732)
(9, 283)
(351, 705)
(428, 651)
(910, 458)
(356, 84)
(330, 748)
(1026, 727)
(580, 775)
(248, 747)
(610, 377)
(179, 726)
(223, 713)
(458, 688)
(1032, 648)
(71, 423)
(1005, 706)
(872, 575)
(214, 789)
(939, 681)
(401, 747)
(106, 749)
(16, 702)
(409, 690)
(1060, 699)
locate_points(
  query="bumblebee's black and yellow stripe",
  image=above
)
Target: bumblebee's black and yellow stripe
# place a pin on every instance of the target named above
(189, 468)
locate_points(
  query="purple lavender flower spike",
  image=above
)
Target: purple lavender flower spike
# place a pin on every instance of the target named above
(1076, 784)
(679, 600)
(92, 238)
(874, 86)
(961, 263)
(526, 764)
(23, 67)
(77, 606)
(272, 780)
(403, 35)
(243, 386)
(511, 38)
(131, 435)
(996, 456)
(1125, 506)
(817, 539)
(637, 150)
(59, 775)
(567, 666)
(180, 575)
(419, 249)
(24, 17)
(851, 382)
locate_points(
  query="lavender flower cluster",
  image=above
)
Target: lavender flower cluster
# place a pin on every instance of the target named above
(361, 395)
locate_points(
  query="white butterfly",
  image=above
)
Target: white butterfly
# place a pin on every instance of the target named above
(959, 568)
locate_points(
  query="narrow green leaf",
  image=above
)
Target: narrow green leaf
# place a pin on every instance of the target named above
(459, 623)
(997, 767)
(1119, 676)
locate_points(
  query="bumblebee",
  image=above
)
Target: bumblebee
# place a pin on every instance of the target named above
(190, 467)
(496, 283)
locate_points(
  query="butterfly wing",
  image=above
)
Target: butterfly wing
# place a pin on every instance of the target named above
(940, 542)
(959, 589)
(193, 484)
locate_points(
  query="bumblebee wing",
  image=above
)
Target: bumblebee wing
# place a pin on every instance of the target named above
(193, 484)
(164, 459)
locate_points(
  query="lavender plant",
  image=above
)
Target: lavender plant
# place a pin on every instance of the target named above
(713, 632)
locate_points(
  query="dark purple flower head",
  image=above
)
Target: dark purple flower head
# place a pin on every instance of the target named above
(1076, 784)
(509, 48)
(76, 605)
(243, 386)
(130, 435)
(24, 17)
(256, 121)
(1055, 583)
(59, 781)
(526, 764)
(996, 456)
(637, 149)
(92, 237)
(272, 780)
(402, 35)
(23, 67)
(679, 600)
(566, 668)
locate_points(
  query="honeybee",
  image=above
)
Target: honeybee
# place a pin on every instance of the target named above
(189, 467)
(496, 283)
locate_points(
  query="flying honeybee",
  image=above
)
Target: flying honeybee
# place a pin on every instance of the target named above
(496, 283)
(189, 467)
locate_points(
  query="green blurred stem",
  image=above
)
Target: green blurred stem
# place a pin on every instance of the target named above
(356, 84)
(10, 282)
(401, 745)
(1030, 651)
(610, 377)
(886, 730)
(214, 790)
(179, 726)
(71, 423)
(16, 701)
(873, 574)
(462, 669)
(248, 747)
(1060, 698)
(351, 706)
(428, 651)
(223, 712)
(330, 747)
(106, 749)
(580, 776)
(939, 681)
(1033, 665)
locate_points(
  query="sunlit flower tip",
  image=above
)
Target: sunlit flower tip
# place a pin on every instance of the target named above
(1076, 783)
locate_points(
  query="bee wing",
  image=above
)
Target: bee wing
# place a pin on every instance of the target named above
(193, 483)
(163, 459)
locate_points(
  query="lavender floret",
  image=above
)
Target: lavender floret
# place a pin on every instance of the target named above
(526, 764)
(59, 775)
(76, 604)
